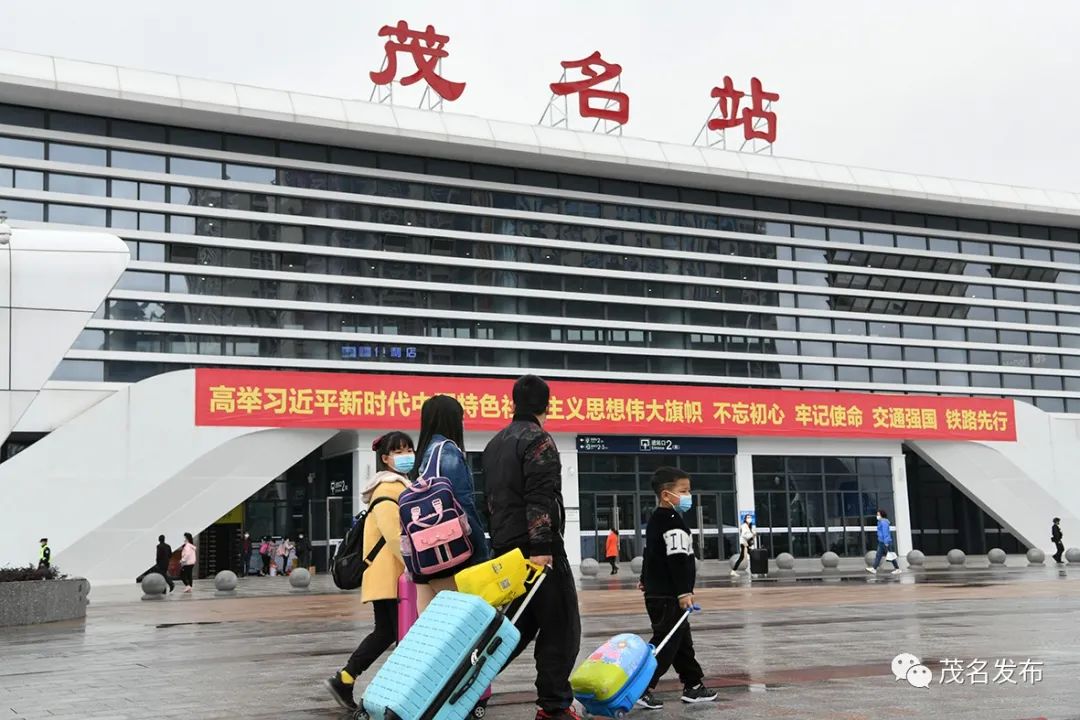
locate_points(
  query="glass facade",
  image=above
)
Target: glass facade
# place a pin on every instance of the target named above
(336, 258)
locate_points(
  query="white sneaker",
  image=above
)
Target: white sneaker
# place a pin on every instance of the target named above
(734, 573)
(872, 571)
(897, 571)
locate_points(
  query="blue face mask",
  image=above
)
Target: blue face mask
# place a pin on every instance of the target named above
(404, 463)
(685, 503)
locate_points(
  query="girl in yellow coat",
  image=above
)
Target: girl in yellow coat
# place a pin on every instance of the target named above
(395, 456)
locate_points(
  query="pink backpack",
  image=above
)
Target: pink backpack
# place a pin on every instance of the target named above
(434, 528)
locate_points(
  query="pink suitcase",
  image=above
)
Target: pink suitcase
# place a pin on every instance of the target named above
(407, 615)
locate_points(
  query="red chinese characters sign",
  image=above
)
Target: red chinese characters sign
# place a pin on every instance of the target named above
(261, 398)
(427, 48)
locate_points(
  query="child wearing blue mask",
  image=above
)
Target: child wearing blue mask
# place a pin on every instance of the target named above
(667, 578)
(395, 457)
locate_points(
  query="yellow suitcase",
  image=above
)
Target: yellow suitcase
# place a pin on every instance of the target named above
(499, 581)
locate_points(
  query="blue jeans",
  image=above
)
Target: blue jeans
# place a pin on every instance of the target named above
(882, 548)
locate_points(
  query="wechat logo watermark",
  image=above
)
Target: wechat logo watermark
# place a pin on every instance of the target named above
(906, 666)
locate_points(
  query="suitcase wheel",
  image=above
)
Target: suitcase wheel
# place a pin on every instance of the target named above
(480, 711)
(619, 714)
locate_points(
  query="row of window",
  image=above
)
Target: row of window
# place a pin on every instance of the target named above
(268, 203)
(350, 294)
(387, 324)
(240, 346)
(386, 161)
(513, 331)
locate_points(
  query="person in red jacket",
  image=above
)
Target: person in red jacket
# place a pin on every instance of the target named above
(611, 551)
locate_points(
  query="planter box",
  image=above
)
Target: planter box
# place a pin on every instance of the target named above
(42, 601)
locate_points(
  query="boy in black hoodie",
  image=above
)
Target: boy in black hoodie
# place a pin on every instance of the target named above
(667, 578)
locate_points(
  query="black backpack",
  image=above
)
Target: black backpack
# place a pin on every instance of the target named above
(349, 563)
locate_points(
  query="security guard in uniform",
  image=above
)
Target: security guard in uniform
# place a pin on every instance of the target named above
(44, 555)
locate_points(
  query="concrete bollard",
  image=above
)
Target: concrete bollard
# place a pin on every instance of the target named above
(830, 561)
(916, 559)
(1035, 557)
(870, 557)
(300, 579)
(590, 567)
(997, 557)
(1073, 555)
(225, 583)
(785, 562)
(636, 564)
(153, 587)
(956, 558)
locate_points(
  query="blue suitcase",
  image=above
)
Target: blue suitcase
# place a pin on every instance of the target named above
(637, 679)
(445, 662)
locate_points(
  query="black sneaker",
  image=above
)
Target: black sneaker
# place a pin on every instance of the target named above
(698, 694)
(343, 693)
(650, 701)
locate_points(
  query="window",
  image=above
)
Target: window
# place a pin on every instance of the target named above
(198, 168)
(137, 161)
(17, 147)
(78, 154)
(77, 215)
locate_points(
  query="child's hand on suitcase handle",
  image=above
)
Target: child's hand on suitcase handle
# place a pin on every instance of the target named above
(686, 602)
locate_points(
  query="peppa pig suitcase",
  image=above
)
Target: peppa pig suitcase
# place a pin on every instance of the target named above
(613, 678)
(407, 615)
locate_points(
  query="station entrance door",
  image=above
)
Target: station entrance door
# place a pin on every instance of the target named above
(615, 485)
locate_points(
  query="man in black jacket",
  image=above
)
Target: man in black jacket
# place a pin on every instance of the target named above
(523, 474)
(1056, 538)
(161, 565)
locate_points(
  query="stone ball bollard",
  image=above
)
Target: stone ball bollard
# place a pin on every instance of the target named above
(870, 557)
(590, 567)
(153, 587)
(916, 559)
(225, 583)
(300, 579)
(830, 561)
(636, 564)
(1036, 557)
(997, 557)
(956, 558)
(785, 561)
(1073, 555)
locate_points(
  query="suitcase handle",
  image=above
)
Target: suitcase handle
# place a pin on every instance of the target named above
(671, 634)
(540, 575)
(475, 674)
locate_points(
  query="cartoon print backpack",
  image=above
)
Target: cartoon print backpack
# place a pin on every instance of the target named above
(434, 529)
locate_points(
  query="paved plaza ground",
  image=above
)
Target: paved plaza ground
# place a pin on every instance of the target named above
(804, 648)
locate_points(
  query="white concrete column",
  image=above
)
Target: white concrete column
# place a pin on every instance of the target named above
(744, 481)
(571, 496)
(902, 521)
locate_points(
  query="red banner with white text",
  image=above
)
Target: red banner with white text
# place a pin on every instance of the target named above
(270, 398)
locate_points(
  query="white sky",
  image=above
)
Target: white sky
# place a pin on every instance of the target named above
(981, 89)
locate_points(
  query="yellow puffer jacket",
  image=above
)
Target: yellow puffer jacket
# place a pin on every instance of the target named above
(381, 577)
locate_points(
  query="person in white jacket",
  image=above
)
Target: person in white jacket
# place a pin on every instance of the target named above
(747, 538)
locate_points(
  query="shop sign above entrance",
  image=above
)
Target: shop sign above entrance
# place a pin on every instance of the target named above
(637, 445)
(270, 398)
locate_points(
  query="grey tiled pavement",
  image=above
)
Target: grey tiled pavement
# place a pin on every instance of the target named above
(800, 650)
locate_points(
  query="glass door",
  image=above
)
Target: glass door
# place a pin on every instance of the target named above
(327, 520)
(612, 512)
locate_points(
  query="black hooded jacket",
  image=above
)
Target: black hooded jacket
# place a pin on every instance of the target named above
(523, 483)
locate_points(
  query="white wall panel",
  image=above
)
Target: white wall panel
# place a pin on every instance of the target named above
(53, 408)
(68, 280)
(39, 339)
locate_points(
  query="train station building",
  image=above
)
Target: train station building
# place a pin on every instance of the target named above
(217, 296)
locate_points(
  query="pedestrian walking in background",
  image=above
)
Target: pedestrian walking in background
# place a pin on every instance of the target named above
(161, 562)
(442, 437)
(524, 493)
(188, 558)
(747, 540)
(884, 539)
(44, 555)
(668, 575)
(245, 555)
(611, 551)
(264, 552)
(1056, 537)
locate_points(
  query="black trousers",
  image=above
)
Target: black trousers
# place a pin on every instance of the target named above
(614, 565)
(1060, 551)
(742, 554)
(679, 651)
(186, 572)
(378, 641)
(164, 572)
(554, 621)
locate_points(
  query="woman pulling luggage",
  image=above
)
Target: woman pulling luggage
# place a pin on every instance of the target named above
(395, 457)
